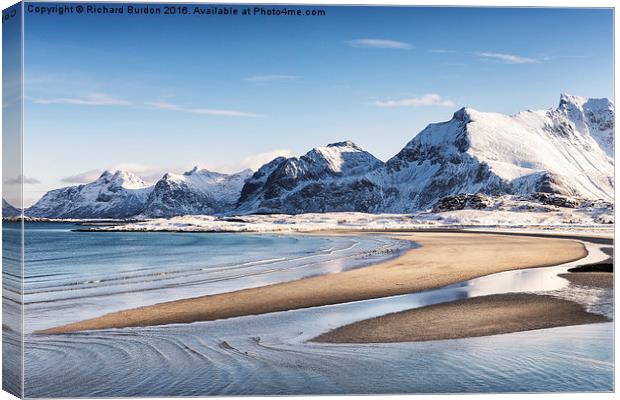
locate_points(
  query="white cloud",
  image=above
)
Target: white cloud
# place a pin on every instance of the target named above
(256, 161)
(379, 43)
(91, 99)
(151, 173)
(162, 105)
(84, 177)
(506, 58)
(429, 99)
(253, 162)
(18, 180)
(441, 51)
(270, 78)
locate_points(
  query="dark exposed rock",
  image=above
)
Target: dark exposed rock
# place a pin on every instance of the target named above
(556, 200)
(462, 201)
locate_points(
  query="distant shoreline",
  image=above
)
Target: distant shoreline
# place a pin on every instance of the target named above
(444, 258)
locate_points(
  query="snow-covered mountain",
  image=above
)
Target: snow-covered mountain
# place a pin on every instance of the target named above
(198, 191)
(331, 178)
(119, 194)
(556, 151)
(567, 150)
(594, 116)
(122, 195)
(9, 210)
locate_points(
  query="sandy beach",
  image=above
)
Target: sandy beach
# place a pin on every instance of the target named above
(477, 316)
(444, 258)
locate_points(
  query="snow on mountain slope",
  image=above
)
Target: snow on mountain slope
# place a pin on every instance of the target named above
(567, 150)
(533, 151)
(331, 178)
(198, 191)
(595, 116)
(113, 195)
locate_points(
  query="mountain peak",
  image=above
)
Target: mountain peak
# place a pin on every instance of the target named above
(345, 143)
(247, 172)
(122, 178)
(191, 171)
(464, 114)
(204, 173)
(592, 116)
(567, 100)
(105, 174)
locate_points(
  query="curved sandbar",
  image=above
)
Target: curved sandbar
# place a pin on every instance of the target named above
(476, 316)
(444, 258)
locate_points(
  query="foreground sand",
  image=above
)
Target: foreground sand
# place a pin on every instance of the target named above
(444, 258)
(477, 316)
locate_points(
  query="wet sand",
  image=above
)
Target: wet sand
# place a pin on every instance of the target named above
(477, 316)
(598, 280)
(444, 258)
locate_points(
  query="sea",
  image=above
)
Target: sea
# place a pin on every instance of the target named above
(71, 275)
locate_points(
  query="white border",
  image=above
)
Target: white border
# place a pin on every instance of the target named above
(474, 3)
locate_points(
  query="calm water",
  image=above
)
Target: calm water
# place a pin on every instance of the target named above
(85, 274)
(75, 275)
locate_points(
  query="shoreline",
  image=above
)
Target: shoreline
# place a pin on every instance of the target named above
(444, 258)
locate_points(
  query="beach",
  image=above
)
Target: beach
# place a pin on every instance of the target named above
(443, 258)
(477, 316)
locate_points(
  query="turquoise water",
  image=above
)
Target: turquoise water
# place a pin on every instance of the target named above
(75, 275)
(86, 274)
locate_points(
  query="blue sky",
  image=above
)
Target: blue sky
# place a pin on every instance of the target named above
(156, 93)
(11, 106)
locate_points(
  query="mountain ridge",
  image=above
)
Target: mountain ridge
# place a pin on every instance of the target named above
(567, 150)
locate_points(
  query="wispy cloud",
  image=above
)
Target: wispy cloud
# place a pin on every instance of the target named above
(429, 99)
(102, 99)
(84, 177)
(506, 58)
(91, 99)
(162, 105)
(256, 161)
(252, 161)
(18, 180)
(269, 78)
(379, 43)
